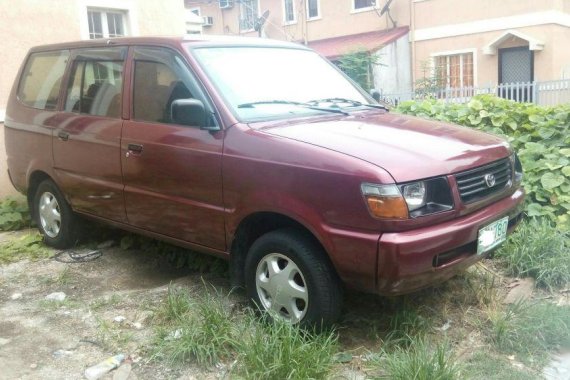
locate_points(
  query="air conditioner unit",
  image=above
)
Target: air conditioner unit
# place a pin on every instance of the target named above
(225, 4)
(208, 21)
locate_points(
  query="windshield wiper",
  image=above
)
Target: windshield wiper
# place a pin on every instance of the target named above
(290, 102)
(354, 103)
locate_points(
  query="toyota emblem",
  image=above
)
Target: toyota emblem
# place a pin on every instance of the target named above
(490, 180)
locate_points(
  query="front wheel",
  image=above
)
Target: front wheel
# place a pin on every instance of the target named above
(289, 276)
(54, 217)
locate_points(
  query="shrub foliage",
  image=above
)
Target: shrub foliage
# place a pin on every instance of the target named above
(14, 214)
(540, 136)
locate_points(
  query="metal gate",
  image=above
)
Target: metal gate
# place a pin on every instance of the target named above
(516, 65)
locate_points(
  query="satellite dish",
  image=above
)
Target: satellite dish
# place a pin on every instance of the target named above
(386, 7)
(260, 22)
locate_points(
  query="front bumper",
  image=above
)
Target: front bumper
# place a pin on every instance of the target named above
(412, 260)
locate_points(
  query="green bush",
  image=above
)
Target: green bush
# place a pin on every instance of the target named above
(14, 214)
(540, 135)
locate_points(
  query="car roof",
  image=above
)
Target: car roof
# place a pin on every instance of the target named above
(191, 39)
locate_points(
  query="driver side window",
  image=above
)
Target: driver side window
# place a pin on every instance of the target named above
(159, 80)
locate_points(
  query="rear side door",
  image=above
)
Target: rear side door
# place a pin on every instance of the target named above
(86, 145)
(172, 173)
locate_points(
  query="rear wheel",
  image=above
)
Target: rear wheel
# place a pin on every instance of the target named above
(54, 217)
(289, 276)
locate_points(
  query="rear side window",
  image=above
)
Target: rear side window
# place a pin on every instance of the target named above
(95, 88)
(41, 79)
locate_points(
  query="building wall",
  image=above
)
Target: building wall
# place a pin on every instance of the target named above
(336, 19)
(435, 13)
(549, 63)
(475, 24)
(393, 74)
(27, 23)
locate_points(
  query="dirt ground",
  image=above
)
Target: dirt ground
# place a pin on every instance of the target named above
(42, 339)
(108, 310)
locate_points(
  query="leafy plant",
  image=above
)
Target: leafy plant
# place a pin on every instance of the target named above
(14, 214)
(540, 135)
(358, 65)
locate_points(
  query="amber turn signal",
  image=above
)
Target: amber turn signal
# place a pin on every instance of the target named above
(385, 201)
(389, 208)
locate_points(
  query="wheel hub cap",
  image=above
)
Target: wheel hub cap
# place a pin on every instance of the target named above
(50, 216)
(281, 287)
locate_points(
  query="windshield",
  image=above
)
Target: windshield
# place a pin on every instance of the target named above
(272, 83)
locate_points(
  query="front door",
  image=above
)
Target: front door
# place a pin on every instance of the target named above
(516, 73)
(172, 173)
(86, 144)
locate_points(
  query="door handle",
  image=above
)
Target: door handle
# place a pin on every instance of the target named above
(63, 136)
(134, 149)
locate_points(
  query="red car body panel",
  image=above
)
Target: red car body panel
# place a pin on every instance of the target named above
(194, 187)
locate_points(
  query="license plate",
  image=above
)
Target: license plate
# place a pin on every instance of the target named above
(492, 235)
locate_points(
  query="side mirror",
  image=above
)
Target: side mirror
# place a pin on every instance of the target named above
(190, 112)
(375, 94)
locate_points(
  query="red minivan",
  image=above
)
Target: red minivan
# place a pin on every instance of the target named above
(260, 152)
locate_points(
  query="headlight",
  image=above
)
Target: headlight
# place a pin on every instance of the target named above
(408, 200)
(385, 201)
(415, 195)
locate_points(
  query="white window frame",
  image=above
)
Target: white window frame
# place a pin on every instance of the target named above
(365, 9)
(196, 9)
(127, 7)
(457, 52)
(241, 15)
(318, 16)
(105, 21)
(285, 21)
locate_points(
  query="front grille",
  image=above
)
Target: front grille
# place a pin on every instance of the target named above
(473, 184)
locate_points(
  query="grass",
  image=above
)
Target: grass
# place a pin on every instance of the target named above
(529, 330)
(419, 361)
(112, 336)
(104, 302)
(483, 366)
(406, 324)
(200, 330)
(279, 350)
(538, 250)
(29, 246)
(203, 329)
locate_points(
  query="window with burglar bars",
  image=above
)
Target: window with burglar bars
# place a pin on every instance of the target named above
(248, 14)
(454, 71)
(106, 24)
(289, 14)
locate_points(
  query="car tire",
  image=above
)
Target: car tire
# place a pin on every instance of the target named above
(289, 275)
(54, 217)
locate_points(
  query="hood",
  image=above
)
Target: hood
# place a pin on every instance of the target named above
(409, 148)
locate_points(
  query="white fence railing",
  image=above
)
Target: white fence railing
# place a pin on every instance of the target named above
(542, 93)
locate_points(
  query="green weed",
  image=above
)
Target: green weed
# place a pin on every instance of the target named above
(419, 361)
(538, 250)
(278, 350)
(29, 246)
(483, 366)
(530, 330)
(201, 329)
